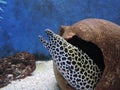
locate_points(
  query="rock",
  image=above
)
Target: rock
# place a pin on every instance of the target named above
(103, 35)
(15, 67)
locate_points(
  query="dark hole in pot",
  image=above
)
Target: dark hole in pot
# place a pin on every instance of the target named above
(92, 50)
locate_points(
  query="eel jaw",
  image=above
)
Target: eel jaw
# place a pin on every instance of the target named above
(51, 37)
(54, 40)
(45, 43)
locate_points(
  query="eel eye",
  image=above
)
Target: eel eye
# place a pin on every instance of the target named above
(68, 67)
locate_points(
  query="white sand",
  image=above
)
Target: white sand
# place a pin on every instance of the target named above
(42, 79)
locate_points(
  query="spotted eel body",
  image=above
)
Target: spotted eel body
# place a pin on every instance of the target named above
(73, 64)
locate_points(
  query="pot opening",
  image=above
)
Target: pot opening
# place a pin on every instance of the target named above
(92, 50)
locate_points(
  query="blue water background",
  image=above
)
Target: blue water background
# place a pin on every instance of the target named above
(24, 20)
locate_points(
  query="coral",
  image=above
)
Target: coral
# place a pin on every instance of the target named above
(15, 67)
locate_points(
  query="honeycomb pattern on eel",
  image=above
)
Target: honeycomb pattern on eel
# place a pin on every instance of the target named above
(73, 64)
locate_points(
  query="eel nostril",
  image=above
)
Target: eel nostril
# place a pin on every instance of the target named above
(40, 38)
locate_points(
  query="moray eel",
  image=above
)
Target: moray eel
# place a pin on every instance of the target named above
(73, 64)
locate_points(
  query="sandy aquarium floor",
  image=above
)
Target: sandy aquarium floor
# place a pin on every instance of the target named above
(41, 79)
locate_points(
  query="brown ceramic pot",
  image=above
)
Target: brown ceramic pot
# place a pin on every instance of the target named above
(104, 34)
